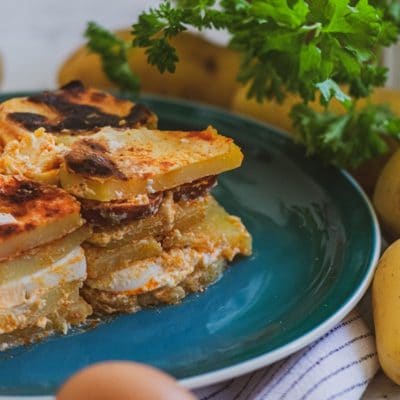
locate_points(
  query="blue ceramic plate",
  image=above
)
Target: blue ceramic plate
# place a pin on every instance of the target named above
(316, 242)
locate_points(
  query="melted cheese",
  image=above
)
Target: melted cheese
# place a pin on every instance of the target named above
(167, 270)
(145, 275)
(27, 289)
(7, 218)
(35, 156)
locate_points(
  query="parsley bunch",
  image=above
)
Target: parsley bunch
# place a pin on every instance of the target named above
(313, 48)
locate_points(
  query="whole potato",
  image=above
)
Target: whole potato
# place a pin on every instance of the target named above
(205, 71)
(386, 311)
(269, 111)
(277, 114)
(367, 174)
(387, 196)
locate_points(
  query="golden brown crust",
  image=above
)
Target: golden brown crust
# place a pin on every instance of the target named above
(62, 115)
(89, 158)
(141, 154)
(32, 204)
(29, 209)
(72, 109)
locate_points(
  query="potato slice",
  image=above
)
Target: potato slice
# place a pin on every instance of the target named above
(68, 111)
(218, 230)
(41, 257)
(32, 214)
(58, 308)
(102, 260)
(111, 302)
(146, 275)
(118, 164)
(171, 215)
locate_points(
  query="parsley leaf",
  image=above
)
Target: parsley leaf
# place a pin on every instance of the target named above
(314, 48)
(346, 140)
(112, 51)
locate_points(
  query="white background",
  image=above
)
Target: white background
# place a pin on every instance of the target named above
(37, 35)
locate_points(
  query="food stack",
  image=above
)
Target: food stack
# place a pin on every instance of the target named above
(158, 233)
(42, 266)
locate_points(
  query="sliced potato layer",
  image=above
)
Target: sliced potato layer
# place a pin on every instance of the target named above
(219, 237)
(171, 215)
(56, 310)
(119, 164)
(32, 214)
(102, 260)
(41, 257)
(30, 288)
(218, 230)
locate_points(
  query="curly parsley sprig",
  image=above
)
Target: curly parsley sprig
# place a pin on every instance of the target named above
(313, 48)
(113, 53)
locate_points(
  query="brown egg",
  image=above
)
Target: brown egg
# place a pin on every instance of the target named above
(122, 381)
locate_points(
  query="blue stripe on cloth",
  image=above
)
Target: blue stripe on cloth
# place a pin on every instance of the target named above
(333, 330)
(254, 388)
(332, 374)
(277, 367)
(244, 387)
(219, 391)
(364, 336)
(349, 389)
(274, 370)
(308, 349)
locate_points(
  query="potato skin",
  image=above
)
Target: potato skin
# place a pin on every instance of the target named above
(367, 174)
(205, 71)
(386, 197)
(386, 311)
(277, 114)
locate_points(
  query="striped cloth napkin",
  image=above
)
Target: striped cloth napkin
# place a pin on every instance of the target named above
(339, 365)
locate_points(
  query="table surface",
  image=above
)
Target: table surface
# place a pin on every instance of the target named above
(47, 33)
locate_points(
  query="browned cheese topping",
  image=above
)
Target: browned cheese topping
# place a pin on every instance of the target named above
(31, 204)
(74, 109)
(90, 158)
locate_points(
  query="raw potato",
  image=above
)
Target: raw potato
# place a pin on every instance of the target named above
(387, 196)
(205, 72)
(277, 114)
(215, 69)
(386, 310)
(367, 174)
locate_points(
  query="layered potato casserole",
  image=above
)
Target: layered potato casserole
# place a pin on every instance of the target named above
(102, 212)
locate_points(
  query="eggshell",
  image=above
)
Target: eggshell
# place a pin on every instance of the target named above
(122, 381)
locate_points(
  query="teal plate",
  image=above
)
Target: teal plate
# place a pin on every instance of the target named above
(316, 242)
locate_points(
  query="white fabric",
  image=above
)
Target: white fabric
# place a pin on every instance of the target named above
(337, 366)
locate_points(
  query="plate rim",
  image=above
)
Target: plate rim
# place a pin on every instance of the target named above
(241, 368)
(290, 348)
